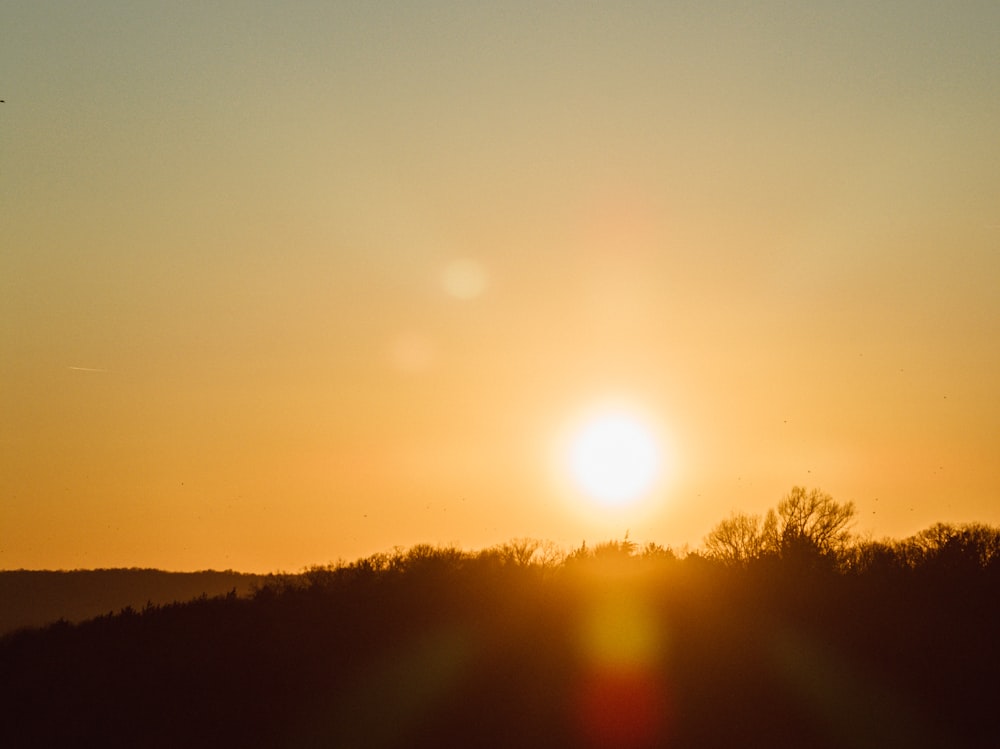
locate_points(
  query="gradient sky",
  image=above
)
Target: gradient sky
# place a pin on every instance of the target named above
(282, 283)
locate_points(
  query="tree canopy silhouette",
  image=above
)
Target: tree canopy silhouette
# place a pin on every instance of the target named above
(806, 523)
(618, 644)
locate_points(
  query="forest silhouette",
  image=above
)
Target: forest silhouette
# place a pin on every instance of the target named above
(33, 598)
(782, 631)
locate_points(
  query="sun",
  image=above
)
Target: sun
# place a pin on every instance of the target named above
(614, 458)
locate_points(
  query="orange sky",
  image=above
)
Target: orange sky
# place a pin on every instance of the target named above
(286, 284)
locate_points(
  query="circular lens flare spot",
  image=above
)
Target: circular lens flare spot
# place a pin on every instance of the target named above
(465, 279)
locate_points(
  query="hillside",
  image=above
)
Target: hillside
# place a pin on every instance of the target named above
(32, 598)
(613, 646)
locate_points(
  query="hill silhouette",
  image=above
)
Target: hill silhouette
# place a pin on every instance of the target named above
(850, 644)
(32, 598)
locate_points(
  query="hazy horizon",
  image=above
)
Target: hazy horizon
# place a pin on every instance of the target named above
(286, 284)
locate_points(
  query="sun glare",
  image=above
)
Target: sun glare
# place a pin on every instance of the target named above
(614, 459)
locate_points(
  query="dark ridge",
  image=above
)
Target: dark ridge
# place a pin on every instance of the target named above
(33, 598)
(862, 645)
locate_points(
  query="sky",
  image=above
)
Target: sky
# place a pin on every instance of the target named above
(287, 283)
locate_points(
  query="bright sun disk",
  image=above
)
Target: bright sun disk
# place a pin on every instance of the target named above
(614, 458)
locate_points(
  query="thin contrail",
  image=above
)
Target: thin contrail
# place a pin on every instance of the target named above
(88, 369)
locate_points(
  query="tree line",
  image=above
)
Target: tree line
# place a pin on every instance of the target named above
(810, 526)
(32, 598)
(782, 630)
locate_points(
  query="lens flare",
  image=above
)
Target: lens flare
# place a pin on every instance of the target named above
(622, 699)
(465, 279)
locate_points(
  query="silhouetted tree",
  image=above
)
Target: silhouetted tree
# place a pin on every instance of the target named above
(524, 552)
(737, 540)
(968, 546)
(809, 520)
(609, 550)
(876, 557)
(806, 524)
(654, 552)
